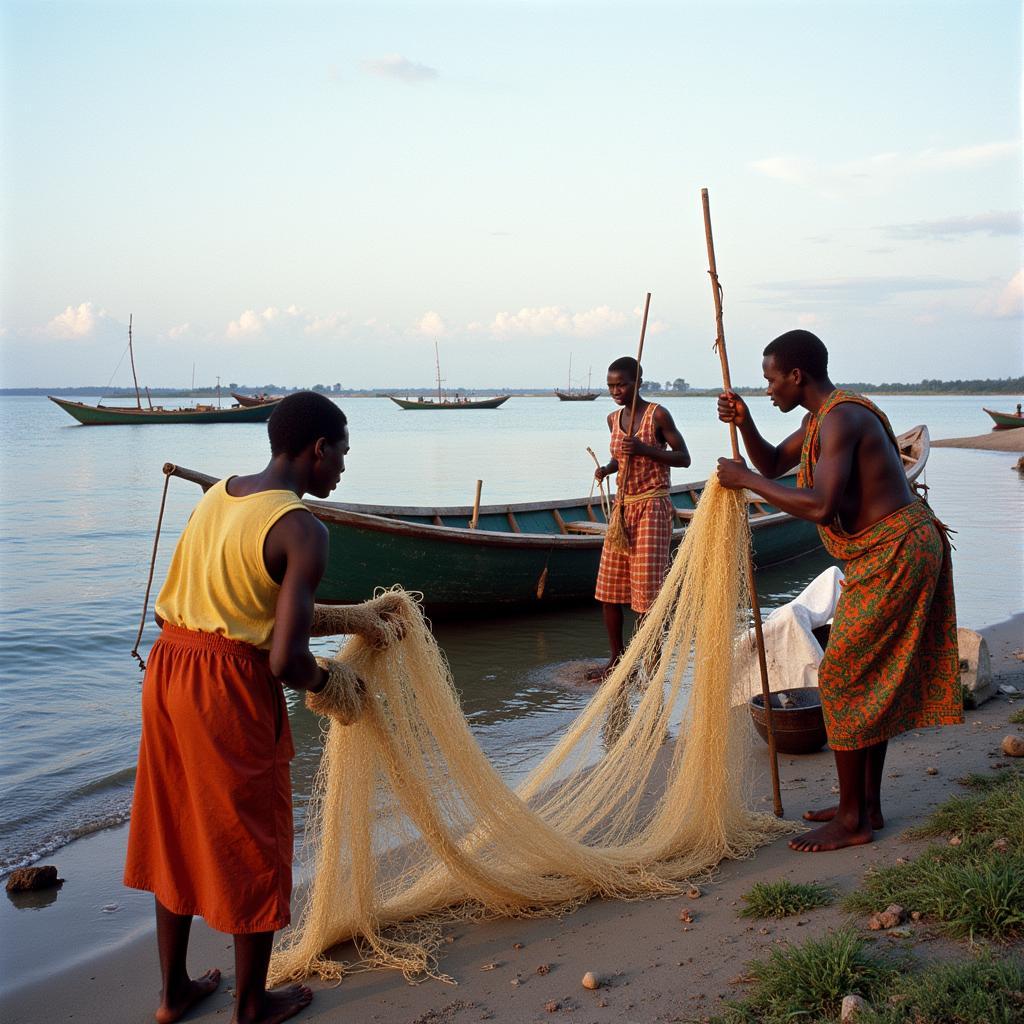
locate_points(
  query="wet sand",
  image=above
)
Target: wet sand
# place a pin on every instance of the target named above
(993, 441)
(656, 967)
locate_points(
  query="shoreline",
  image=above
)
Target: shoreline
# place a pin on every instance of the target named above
(994, 441)
(106, 969)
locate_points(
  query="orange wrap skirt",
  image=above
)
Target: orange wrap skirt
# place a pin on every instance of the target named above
(211, 825)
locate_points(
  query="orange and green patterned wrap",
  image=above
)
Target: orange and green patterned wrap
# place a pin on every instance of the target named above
(892, 662)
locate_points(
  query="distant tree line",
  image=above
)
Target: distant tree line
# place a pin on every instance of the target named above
(988, 386)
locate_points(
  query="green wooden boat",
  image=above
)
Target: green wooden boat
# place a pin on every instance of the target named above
(105, 416)
(1006, 420)
(521, 556)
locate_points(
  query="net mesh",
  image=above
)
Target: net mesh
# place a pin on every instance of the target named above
(411, 825)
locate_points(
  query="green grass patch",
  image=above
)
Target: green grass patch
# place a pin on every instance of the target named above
(980, 991)
(1017, 718)
(808, 982)
(973, 890)
(783, 898)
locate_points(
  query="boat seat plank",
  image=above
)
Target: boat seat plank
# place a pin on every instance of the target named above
(513, 524)
(588, 528)
(562, 528)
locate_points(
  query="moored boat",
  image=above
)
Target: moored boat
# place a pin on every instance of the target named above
(521, 556)
(1006, 420)
(449, 403)
(250, 401)
(576, 396)
(109, 415)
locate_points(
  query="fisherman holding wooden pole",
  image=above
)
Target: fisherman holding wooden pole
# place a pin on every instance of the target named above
(644, 447)
(891, 664)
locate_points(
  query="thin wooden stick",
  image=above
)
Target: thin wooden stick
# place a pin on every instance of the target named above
(624, 469)
(476, 506)
(755, 604)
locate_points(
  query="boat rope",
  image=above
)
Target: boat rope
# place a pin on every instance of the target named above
(168, 469)
(113, 375)
(606, 501)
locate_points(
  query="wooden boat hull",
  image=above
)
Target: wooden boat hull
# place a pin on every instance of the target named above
(1005, 420)
(100, 416)
(582, 396)
(519, 558)
(251, 401)
(483, 403)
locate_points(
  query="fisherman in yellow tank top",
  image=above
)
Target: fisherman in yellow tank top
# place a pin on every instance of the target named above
(653, 448)
(211, 825)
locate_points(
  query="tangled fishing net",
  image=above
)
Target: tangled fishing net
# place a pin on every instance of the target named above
(412, 825)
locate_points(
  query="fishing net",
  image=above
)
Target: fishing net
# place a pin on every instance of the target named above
(411, 825)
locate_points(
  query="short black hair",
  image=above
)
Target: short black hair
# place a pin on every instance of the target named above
(627, 365)
(800, 350)
(301, 419)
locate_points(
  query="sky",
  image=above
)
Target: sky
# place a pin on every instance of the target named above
(302, 193)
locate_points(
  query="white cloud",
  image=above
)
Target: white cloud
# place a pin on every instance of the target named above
(432, 324)
(330, 323)
(284, 322)
(879, 169)
(76, 321)
(1004, 302)
(248, 324)
(394, 65)
(994, 223)
(181, 330)
(809, 320)
(549, 320)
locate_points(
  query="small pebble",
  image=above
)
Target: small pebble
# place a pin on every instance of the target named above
(931, 771)
(686, 916)
(955, 840)
(590, 980)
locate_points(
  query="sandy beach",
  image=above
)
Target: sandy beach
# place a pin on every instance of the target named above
(993, 441)
(654, 967)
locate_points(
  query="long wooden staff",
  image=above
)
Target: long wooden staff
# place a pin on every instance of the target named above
(755, 604)
(616, 535)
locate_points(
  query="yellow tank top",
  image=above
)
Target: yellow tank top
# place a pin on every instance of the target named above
(217, 581)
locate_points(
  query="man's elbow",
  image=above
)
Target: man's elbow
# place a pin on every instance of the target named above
(286, 665)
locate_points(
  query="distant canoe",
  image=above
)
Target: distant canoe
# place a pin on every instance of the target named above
(251, 401)
(576, 396)
(106, 416)
(1006, 420)
(521, 556)
(448, 403)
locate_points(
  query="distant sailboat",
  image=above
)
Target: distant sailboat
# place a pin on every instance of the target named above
(576, 396)
(442, 402)
(106, 416)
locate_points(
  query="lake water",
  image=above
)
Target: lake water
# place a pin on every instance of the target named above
(79, 507)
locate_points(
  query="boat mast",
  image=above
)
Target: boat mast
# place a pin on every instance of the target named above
(569, 389)
(437, 363)
(131, 355)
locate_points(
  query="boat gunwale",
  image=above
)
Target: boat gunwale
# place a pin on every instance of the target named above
(378, 520)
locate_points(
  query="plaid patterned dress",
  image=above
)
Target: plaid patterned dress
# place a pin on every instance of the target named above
(635, 578)
(892, 662)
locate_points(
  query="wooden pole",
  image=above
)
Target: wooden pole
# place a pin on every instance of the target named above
(755, 604)
(476, 505)
(639, 357)
(131, 355)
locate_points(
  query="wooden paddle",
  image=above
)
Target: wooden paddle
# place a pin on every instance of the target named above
(755, 604)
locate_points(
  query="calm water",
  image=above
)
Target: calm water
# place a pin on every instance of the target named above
(79, 505)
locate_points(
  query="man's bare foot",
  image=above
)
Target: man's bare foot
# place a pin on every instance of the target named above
(276, 1006)
(174, 1005)
(833, 836)
(875, 819)
(600, 673)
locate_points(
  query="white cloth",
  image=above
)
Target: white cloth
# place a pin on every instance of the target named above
(791, 650)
